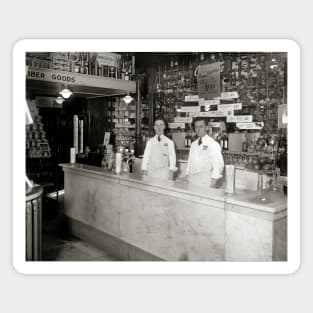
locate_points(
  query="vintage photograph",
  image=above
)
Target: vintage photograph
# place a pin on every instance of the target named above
(156, 156)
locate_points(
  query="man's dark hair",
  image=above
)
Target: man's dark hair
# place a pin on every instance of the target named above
(160, 118)
(199, 118)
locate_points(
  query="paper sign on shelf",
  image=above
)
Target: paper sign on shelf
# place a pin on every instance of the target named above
(183, 120)
(176, 125)
(190, 109)
(201, 101)
(229, 95)
(215, 124)
(239, 118)
(238, 106)
(226, 107)
(212, 102)
(192, 98)
(255, 125)
(106, 139)
(211, 114)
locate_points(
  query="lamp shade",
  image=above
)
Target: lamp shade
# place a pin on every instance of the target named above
(66, 93)
(128, 99)
(59, 100)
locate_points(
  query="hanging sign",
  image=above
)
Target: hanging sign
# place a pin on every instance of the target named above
(255, 125)
(239, 118)
(208, 81)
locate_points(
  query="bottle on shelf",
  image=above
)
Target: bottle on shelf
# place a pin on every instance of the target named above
(245, 143)
(225, 142)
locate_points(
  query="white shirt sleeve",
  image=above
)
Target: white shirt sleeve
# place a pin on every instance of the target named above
(172, 156)
(218, 162)
(146, 156)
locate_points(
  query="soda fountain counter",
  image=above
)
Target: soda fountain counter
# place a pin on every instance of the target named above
(143, 219)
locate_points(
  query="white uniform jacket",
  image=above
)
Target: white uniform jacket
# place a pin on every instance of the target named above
(159, 157)
(205, 161)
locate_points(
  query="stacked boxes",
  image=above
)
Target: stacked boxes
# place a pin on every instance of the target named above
(37, 145)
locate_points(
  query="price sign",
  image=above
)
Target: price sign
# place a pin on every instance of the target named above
(176, 125)
(238, 106)
(255, 125)
(239, 118)
(192, 98)
(226, 107)
(229, 95)
(183, 120)
(190, 109)
(212, 114)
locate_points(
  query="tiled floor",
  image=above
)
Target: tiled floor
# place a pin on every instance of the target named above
(58, 245)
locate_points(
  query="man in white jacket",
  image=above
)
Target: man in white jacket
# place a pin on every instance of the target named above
(159, 159)
(205, 163)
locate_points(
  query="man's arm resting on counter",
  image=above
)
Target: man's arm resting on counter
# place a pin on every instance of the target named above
(216, 182)
(145, 158)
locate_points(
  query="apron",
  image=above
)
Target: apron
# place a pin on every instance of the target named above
(202, 178)
(201, 174)
(158, 165)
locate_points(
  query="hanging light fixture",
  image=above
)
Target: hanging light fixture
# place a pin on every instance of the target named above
(66, 93)
(128, 98)
(59, 100)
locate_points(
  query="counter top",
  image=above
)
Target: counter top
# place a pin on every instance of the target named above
(277, 201)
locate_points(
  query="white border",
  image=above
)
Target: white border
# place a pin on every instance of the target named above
(149, 45)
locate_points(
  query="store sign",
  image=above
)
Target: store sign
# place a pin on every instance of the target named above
(255, 125)
(183, 120)
(190, 109)
(208, 82)
(229, 95)
(53, 76)
(176, 125)
(56, 76)
(239, 118)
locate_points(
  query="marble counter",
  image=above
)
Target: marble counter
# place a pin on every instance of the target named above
(149, 219)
